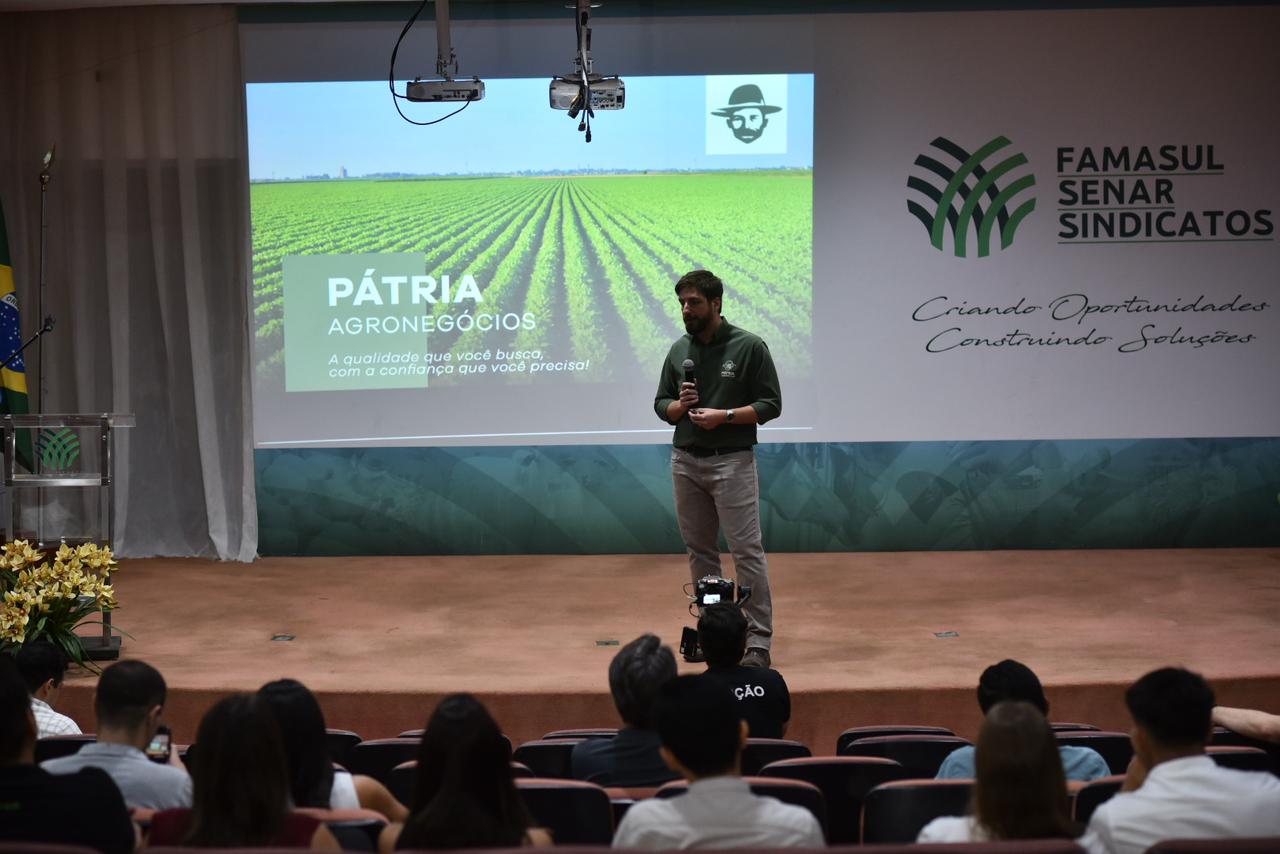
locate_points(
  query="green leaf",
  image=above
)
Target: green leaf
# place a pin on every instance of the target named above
(70, 645)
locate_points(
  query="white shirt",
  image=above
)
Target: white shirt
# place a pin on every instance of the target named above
(49, 722)
(719, 812)
(953, 829)
(1189, 798)
(343, 795)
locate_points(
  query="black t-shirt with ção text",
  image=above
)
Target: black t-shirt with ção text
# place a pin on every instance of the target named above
(763, 699)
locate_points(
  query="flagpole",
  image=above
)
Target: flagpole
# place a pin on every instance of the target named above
(44, 226)
(40, 288)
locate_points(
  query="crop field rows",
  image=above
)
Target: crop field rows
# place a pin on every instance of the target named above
(594, 259)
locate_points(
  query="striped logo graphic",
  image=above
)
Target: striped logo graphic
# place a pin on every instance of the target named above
(58, 449)
(957, 184)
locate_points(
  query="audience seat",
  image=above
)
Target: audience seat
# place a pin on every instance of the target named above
(852, 734)
(797, 792)
(1227, 738)
(401, 780)
(897, 811)
(622, 797)
(1029, 846)
(920, 755)
(1239, 757)
(1092, 795)
(340, 742)
(417, 734)
(1253, 845)
(759, 752)
(58, 746)
(576, 812)
(586, 732)
(1115, 747)
(844, 782)
(166, 849)
(1062, 726)
(44, 848)
(377, 756)
(355, 830)
(548, 757)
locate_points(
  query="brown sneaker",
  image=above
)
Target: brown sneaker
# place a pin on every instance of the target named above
(756, 657)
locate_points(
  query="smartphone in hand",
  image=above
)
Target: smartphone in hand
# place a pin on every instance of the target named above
(158, 748)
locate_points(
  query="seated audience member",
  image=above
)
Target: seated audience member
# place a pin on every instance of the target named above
(1173, 790)
(43, 667)
(761, 692)
(702, 738)
(128, 703)
(631, 757)
(1248, 722)
(464, 795)
(84, 808)
(1019, 790)
(240, 784)
(314, 782)
(1013, 680)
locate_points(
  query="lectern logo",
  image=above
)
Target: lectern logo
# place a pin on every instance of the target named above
(956, 181)
(58, 449)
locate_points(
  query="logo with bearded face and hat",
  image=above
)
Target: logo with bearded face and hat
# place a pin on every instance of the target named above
(747, 114)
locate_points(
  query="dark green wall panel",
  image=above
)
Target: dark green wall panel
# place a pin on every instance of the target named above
(867, 496)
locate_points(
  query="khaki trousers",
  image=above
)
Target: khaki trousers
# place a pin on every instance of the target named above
(724, 492)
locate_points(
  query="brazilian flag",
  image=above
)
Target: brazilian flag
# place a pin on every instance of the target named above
(13, 379)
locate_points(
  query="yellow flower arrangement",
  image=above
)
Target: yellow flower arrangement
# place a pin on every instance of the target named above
(48, 600)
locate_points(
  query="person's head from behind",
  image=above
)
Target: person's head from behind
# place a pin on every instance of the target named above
(17, 723)
(129, 702)
(722, 634)
(1172, 711)
(464, 795)
(1020, 791)
(240, 784)
(306, 748)
(702, 733)
(636, 673)
(1010, 680)
(43, 667)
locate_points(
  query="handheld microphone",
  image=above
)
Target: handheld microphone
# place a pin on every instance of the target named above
(688, 371)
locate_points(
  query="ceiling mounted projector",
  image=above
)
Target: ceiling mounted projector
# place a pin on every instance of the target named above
(439, 91)
(607, 93)
(445, 88)
(583, 91)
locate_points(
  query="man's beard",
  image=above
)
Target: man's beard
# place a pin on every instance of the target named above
(747, 134)
(694, 325)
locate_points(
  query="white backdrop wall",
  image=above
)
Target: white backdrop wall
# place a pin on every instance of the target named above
(1167, 332)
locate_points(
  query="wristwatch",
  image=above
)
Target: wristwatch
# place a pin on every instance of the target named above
(728, 415)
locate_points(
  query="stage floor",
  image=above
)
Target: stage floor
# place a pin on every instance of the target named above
(381, 639)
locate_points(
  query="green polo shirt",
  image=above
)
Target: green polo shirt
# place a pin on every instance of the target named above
(734, 369)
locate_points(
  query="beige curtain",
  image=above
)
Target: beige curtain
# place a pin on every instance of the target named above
(148, 225)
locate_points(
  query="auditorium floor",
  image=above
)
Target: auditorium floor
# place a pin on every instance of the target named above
(380, 639)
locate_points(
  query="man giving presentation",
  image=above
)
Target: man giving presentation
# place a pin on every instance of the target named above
(734, 387)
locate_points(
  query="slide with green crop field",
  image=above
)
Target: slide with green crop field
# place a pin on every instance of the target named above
(497, 279)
